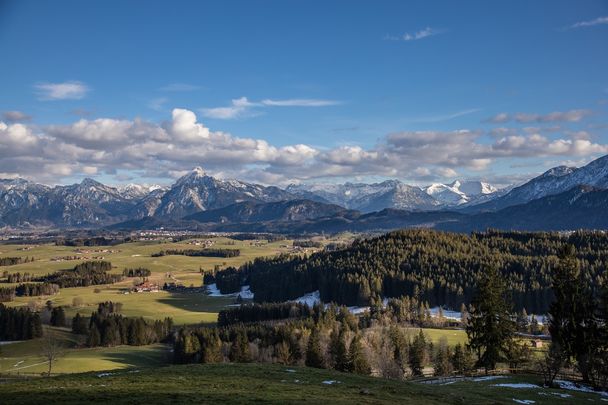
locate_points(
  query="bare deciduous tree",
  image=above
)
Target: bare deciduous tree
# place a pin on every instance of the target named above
(52, 349)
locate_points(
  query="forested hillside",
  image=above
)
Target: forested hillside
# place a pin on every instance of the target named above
(440, 268)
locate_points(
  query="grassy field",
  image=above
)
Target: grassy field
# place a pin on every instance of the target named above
(25, 357)
(248, 383)
(189, 308)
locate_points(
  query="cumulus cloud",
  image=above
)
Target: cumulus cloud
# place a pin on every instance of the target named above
(72, 90)
(144, 149)
(16, 116)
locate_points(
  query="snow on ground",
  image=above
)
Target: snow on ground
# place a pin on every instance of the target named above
(517, 385)
(448, 314)
(9, 342)
(524, 401)
(309, 299)
(488, 378)
(245, 293)
(330, 382)
(571, 386)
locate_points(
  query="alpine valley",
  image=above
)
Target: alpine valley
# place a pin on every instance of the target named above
(563, 198)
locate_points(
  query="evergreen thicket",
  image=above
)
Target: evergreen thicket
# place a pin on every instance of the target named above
(199, 252)
(107, 328)
(19, 324)
(436, 267)
(83, 275)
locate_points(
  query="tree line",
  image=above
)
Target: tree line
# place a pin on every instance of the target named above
(209, 252)
(11, 261)
(83, 275)
(36, 289)
(19, 324)
(105, 327)
(14, 278)
(136, 272)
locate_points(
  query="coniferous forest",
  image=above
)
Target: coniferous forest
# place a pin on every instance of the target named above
(439, 268)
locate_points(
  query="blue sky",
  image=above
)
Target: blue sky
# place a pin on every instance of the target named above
(309, 91)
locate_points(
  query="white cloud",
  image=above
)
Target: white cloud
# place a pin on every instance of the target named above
(239, 108)
(590, 23)
(148, 149)
(423, 33)
(72, 90)
(556, 116)
(242, 107)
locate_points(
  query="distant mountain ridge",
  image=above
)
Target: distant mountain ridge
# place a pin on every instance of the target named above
(196, 198)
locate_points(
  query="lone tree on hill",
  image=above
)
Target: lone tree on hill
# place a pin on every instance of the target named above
(51, 349)
(490, 328)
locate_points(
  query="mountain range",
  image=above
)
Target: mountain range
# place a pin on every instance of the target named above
(549, 201)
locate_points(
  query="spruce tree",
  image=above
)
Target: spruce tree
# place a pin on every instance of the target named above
(357, 363)
(417, 354)
(314, 357)
(94, 339)
(337, 350)
(489, 327)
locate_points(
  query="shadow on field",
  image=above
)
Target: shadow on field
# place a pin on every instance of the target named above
(140, 358)
(197, 302)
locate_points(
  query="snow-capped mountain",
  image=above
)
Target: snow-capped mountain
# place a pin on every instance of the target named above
(460, 192)
(136, 191)
(93, 204)
(554, 181)
(394, 194)
(196, 191)
(367, 197)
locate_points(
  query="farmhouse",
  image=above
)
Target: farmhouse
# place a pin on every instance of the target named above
(146, 286)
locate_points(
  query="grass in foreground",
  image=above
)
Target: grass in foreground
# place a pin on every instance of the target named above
(26, 357)
(247, 383)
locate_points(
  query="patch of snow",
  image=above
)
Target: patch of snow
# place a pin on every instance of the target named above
(524, 401)
(330, 382)
(448, 314)
(245, 292)
(571, 386)
(309, 299)
(517, 385)
(9, 342)
(290, 370)
(488, 378)
(358, 310)
(101, 375)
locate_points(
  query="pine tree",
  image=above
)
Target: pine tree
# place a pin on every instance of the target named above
(94, 339)
(239, 351)
(523, 324)
(314, 357)
(442, 365)
(417, 354)
(57, 317)
(337, 350)
(212, 352)
(490, 328)
(573, 325)
(357, 363)
(79, 325)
